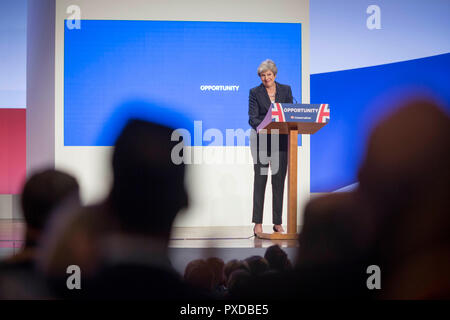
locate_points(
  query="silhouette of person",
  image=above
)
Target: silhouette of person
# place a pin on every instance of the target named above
(43, 193)
(147, 193)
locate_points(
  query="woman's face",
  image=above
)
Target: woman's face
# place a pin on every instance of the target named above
(267, 78)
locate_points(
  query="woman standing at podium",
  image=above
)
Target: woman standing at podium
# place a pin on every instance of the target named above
(259, 102)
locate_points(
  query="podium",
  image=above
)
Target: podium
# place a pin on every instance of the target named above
(293, 119)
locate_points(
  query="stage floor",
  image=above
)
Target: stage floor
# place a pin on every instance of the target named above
(223, 237)
(12, 232)
(187, 243)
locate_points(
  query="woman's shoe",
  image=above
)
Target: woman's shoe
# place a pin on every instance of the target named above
(254, 232)
(276, 230)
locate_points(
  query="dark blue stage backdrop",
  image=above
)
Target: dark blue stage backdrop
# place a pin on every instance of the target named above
(358, 98)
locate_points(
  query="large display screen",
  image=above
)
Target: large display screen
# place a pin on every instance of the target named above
(202, 70)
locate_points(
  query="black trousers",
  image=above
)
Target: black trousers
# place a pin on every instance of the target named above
(265, 155)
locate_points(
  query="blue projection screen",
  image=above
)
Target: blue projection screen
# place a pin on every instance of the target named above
(108, 63)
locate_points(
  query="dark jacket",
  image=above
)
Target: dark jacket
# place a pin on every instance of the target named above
(259, 102)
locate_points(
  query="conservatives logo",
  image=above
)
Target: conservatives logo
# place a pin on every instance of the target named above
(207, 87)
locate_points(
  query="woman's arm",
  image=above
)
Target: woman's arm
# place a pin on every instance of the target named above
(253, 111)
(290, 98)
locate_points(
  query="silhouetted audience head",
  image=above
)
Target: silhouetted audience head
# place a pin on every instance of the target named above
(239, 283)
(43, 192)
(405, 172)
(73, 238)
(336, 229)
(333, 247)
(231, 266)
(123, 240)
(257, 265)
(199, 274)
(277, 259)
(406, 154)
(405, 177)
(148, 189)
(217, 265)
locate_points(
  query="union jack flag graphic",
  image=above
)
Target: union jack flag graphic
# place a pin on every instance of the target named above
(324, 114)
(277, 113)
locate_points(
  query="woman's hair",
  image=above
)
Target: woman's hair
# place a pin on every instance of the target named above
(267, 65)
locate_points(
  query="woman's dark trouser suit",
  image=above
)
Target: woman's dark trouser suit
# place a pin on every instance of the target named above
(261, 172)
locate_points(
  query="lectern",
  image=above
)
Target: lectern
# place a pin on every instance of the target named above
(293, 119)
